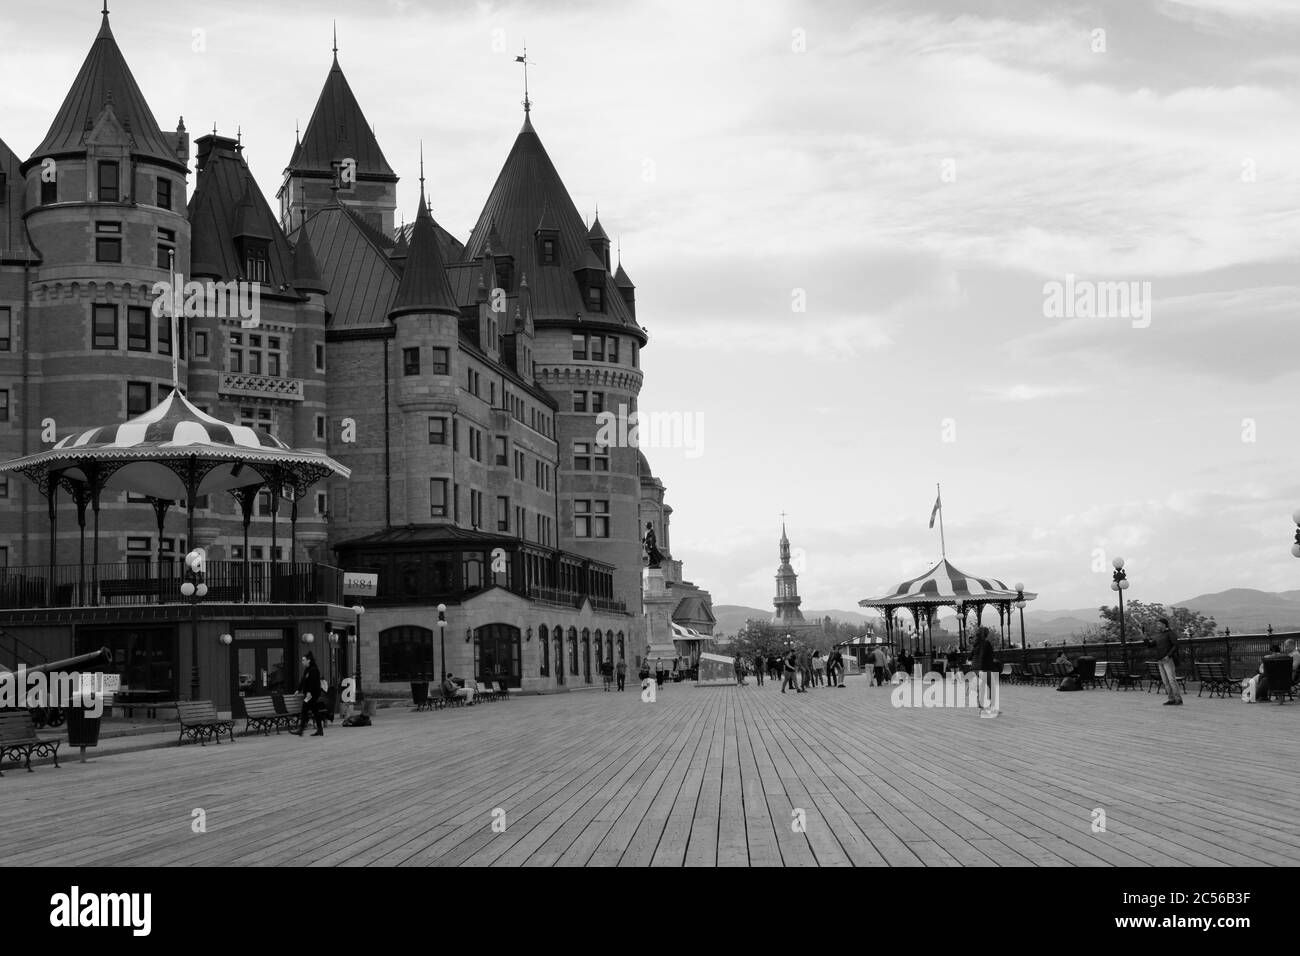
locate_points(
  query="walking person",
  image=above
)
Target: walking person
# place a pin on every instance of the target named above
(311, 690)
(878, 666)
(805, 670)
(981, 656)
(788, 668)
(739, 666)
(659, 671)
(759, 667)
(621, 671)
(607, 673)
(1166, 645)
(818, 669)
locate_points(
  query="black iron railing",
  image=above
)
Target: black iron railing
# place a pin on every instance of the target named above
(152, 582)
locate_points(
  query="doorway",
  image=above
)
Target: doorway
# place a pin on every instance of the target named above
(259, 668)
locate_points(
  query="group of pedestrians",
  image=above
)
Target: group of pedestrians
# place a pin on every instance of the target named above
(797, 669)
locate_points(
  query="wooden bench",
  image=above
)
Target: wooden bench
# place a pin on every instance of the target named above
(1156, 679)
(484, 691)
(1214, 676)
(199, 721)
(18, 740)
(262, 715)
(503, 692)
(1119, 675)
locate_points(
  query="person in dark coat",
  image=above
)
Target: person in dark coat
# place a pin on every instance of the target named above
(312, 694)
(760, 665)
(981, 656)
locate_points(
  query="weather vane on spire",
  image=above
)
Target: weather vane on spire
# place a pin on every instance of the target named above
(422, 199)
(524, 60)
(336, 37)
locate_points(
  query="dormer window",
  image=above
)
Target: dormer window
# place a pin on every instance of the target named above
(595, 298)
(505, 272)
(548, 247)
(108, 183)
(257, 267)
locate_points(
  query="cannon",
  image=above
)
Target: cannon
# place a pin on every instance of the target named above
(54, 716)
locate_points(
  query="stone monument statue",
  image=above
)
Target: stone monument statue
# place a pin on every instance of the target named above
(652, 551)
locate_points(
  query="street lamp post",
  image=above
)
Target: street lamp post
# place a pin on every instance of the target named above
(334, 658)
(358, 610)
(195, 589)
(442, 643)
(1119, 585)
(1020, 605)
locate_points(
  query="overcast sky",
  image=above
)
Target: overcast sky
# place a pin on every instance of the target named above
(911, 175)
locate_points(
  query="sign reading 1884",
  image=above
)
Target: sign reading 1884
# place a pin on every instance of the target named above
(359, 584)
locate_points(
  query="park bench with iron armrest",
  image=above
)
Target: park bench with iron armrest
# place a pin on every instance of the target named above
(1213, 676)
(1155, 679)
(1119, 675)
(18, 740)
(262, 715)
(199, 721)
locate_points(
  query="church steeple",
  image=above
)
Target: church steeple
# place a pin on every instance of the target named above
(787, 598)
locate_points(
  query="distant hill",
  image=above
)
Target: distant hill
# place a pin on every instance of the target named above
(1245, 610)
(732, 617)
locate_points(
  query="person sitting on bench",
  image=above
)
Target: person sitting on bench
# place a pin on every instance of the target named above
(451, 689)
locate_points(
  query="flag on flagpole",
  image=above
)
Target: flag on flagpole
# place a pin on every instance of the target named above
(934, 511)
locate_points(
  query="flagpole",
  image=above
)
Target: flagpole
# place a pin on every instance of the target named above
(175, 323)
(943, 546)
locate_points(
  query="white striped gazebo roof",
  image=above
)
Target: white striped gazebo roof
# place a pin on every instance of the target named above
(945, 584)
(151, 453)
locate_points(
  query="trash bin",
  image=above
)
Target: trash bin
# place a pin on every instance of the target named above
(83, 729)
(1085, 668)
(1277, 671)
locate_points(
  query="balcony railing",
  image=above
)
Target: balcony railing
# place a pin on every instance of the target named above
(137, 583)
(558, 598)
(260, 386)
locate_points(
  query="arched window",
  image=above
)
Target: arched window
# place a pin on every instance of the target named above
(406, 653)
(573, 651)
(597, 648)
(586, 655)
(557, 635)
(621, 655)
(609, 646)
(544, 636)
(497, 654)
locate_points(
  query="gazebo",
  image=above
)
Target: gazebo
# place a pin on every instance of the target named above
(944, 585)
(173, 452)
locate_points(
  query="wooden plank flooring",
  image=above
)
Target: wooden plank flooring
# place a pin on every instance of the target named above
(714, 776)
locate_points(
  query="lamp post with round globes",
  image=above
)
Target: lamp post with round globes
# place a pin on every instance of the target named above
(442, 640)
(1020, 605)
(358, 610)
(1119, 584)
(194, 588)
(333, 638)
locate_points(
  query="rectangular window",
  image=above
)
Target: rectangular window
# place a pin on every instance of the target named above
(236, 552)
(320, 358)
(108, 183)
(521, 521)
(137, 329)
(6, 329)
(636, 355)
(597, 402)
(104, 330)
(273, 364)
(254, 362)
(476, 508)
(437, 497)
(163, 329)
(322, 504)
(4, 405)
(579, 401)
(548, 252)
(441, 362)
(582, 518)
(108, 242)
(521, 466)
(596, 298)
(4, 486)
(200, 345)
(598, 348)
(502, 455)
(137, 398)
(600, 457)
(581, 456)
(437, 431)
(612, 348)
(236, 352)
(49, 192)
(320, 427)
(411, 361)
(164, 193)
(259, 552)
(263, 507)
(600, 526)
(579, 346)
(503, 514)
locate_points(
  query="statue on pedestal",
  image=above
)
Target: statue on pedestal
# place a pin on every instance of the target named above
(652, 551)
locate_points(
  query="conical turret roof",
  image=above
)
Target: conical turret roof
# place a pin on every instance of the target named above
(306, 273)
(338, 130)
(424, 286)
(105, 77)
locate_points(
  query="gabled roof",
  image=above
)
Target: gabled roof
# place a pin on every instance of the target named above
(424, 286)
(339, 130)
(13, 231)
(226, 204)
(529, 195)
(355, 264)
(103, 76)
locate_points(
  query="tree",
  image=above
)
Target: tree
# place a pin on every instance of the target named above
(1140, 618)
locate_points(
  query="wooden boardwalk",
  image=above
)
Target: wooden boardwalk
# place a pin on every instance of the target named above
(718, 776)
